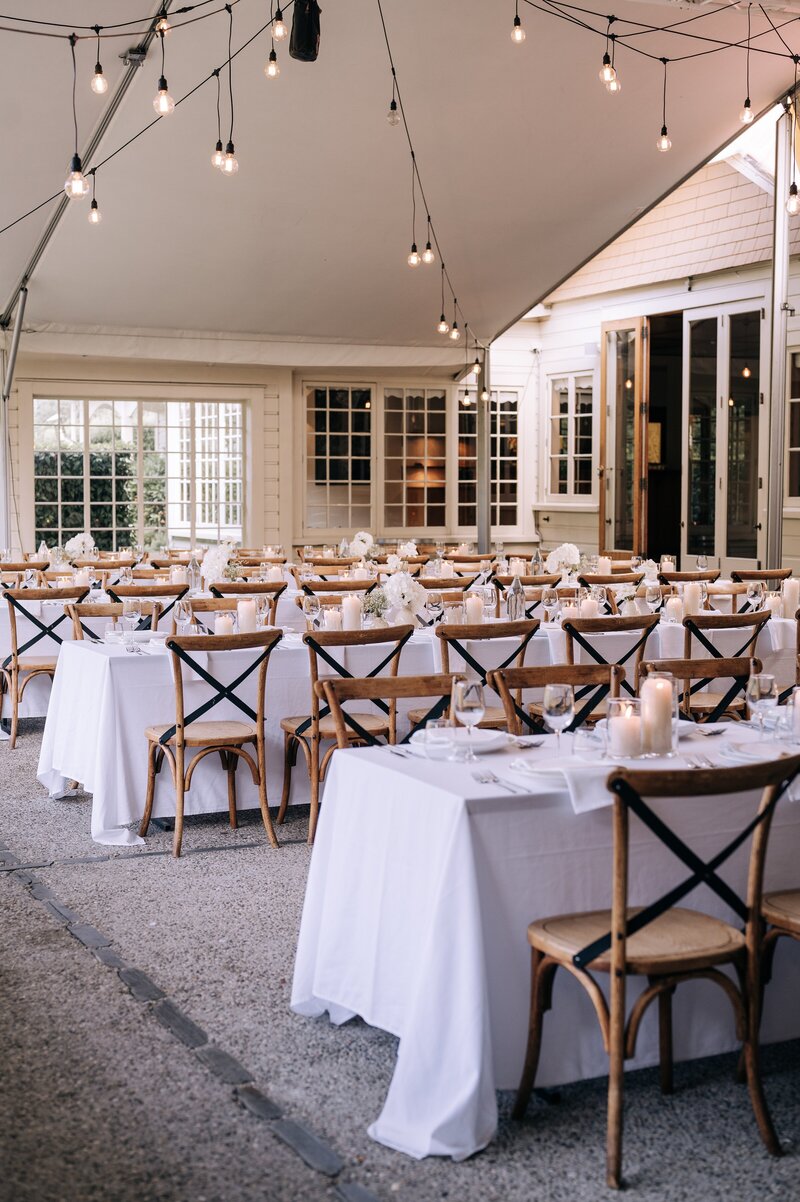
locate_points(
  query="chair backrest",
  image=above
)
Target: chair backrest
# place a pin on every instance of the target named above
(630, 790)
(184, 650)
(208, 605)
(19, 600)
(592, 684)
(325, 649)
(590, 578)
(695, 674)
(698, 627)
(742, 575)
(145, 589)
(106, 609)
(25, 565)
(337, 586)
(338, 691)
(319, 562)
(253, 588)
(688, 577)
(548, 580)
(253, 561)
(442, 584)
(578, 631)
(456, 657)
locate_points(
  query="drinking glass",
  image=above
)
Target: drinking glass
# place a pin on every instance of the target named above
(131, 615)
(434, 606)
(762, 695)
(558, 708)
(183, 615)
(439, 547)
(308, 553)
(262, 611)
(489, 598)
(581, 595)
(702, 563)
(755, 594)
(469, 708)
(599, 593)
(652, 597)
(550, 603)
(311, 610)
(636, 562)
(438, 739)
(126, 575)
(499, 548)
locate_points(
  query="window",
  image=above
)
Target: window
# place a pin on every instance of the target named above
(793, 456)
(571, 437)
(338, 457)
(504, 406)
(414, 458)
(138, 471)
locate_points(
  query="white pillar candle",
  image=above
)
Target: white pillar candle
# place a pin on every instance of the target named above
(603, 565)
(275, 574)
(178, 576)
(692, 597)
(569, 611)
(590, 608)
(657, 704)
(223, 624)
(448, 571)
(775, 604)
(246, 613)
(667, 564)
(361, 574)
(516, 566)
(474, 610)
(333, 618)
(462, 549)
(625, 734)
(351, 613)
(791, 597)
(673, 609)
(82, 577)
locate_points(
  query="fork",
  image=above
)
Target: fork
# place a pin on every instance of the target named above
(489, 778)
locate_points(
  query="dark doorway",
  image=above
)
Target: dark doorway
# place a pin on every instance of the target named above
(664, 436)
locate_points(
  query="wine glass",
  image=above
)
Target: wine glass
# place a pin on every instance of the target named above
(262, 611)
(183, 615)
(599, 593)
(439, 546)
(489, 598)
(636, 562)
(558, 708)
(131, 616)
(311, 610)
(755, 594)
(652, 597)
(499, 547)
(308, 553)
(550, 603)
(469, 708)
(434, 606)
(702, 563)
(762, 695)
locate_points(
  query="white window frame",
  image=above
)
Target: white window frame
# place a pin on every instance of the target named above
(791, 504)
(252, 400)
(507, 530)
(573, 378)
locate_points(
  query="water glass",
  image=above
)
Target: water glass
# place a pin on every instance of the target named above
(702, 563)
(131, 615)
(183, 615)
(550, 603)
(558, 708)
(636, 562)
(489, 598)
(469, 708)
(652, 597)
(762, 696)
(308, 553)
(311, 611)
(262, 611)
(434, 606)
(599, 593)
(755, 594)
(439, 545)
(438, 739)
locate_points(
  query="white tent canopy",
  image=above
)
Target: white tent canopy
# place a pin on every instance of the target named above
(529, 166)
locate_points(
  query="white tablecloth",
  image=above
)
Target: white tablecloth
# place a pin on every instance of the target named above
(421, 887)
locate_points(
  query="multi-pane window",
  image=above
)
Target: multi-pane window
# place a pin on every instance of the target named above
(504, 456)
(414, 458)
(338, 457)
(571, 436)
(793, 455)
(128, 471)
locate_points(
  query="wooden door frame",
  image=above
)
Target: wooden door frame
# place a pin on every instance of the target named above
(640, 327)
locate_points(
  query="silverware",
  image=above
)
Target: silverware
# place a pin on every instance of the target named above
(489, 778)
(707, 734)
(397, 751)
(523, 743)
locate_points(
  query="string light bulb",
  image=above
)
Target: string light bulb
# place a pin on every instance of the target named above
(485, 394)
(663, 142)
(272, 70)
(99, 83)
(607, 72)
(614, 87)
(793, 203)
(230, 163)
(163, 27)
(414, 258)
(428, 255)
(444, 325)
(95, 217)
(162, 101)
(279, 30)
(517, 32)
(76, 184)
(746, 113)
(455, 333)
(467, 399)
(218, 157)
(476, 366)
(393, 117)
(746, 372)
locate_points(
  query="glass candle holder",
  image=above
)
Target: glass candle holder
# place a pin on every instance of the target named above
(658, 694)
(624, 728)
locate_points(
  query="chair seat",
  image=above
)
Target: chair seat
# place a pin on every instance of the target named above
(36, 663)
(599, 711)
(206, 734)
(679, 940)
(708, 701)
(494, 718)
(374, 723)
(783, 909)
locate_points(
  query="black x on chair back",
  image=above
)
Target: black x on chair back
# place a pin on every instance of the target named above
(699, 702)
(167, 594)
(591, 683)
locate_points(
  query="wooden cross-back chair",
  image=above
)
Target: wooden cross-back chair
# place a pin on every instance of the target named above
(336, 692)
(228, 737)
(458, 658)
(765, 575)
(319, 562)
(19, 668)
(307, 732)
(662, 941)
(609, 583)
(254, 561)
(151, 611)
(206, 605)
(313, 588)
(592, 684)
(253, 588)
(166, 593)
(25, 565)
(578, 632)
(532, 586)
(695, 675)
(697, 644)
(689, 577)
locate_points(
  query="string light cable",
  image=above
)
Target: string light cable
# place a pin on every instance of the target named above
(76, 185)
(230, 163)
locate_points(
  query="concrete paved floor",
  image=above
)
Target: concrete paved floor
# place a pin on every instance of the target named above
(99, 1100)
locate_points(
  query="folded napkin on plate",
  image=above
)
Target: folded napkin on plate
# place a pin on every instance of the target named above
(585, 779)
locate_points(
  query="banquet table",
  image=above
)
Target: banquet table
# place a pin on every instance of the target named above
(421, 886)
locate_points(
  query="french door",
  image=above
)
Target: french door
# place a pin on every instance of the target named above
(723, 466)
(623, 445)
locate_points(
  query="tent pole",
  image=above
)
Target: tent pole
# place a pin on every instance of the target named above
(778, 315)
(484, 459)
(8, 379)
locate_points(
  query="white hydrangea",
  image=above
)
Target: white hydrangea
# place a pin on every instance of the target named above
(215, 561)
(565, 556)
(81, 546)
(393, 563)
(361, 543)
(403, 590)
(407, 550)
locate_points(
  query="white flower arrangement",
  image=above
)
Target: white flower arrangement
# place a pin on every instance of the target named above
(393, 563)
(650, 569)
(566, 556)
(215, 562)
(407, 550)
(402, 591)
(81, 546)
(375, 603)
(361, 544)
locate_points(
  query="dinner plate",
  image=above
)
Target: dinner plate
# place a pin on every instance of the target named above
(545, 771)
(482, 740)
(748, 753)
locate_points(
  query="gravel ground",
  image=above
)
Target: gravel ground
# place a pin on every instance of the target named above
(99, 1101)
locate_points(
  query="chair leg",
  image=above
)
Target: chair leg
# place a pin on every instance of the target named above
(180, 781)
(314, 772)
(752, 1058)
(262, 795)
(152, 751)
(665, 1039)
(616, 1077)
(541, 991)
(233, 761)
(289, 758)
(14, 708)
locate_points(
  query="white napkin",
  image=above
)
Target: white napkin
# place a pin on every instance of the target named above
(585, 779)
